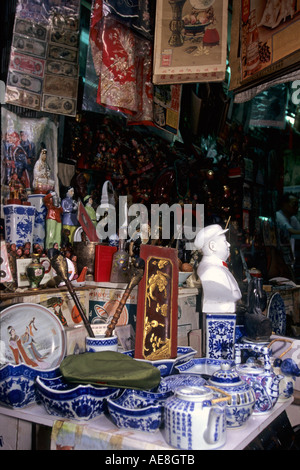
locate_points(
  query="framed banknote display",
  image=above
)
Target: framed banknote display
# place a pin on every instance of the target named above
(190, 43)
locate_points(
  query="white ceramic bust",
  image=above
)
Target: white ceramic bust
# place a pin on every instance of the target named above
(220, 291)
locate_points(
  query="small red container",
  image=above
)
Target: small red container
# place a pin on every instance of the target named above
(103, 261)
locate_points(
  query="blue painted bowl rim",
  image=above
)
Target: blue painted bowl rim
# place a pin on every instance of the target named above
(78, 389)
(180, 356)
(24, 367)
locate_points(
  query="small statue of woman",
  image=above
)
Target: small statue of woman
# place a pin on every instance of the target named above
(69, 218)
(42, 182)
(88, 202)
(53, 220)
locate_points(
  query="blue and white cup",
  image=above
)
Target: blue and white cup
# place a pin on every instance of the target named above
(101, 343)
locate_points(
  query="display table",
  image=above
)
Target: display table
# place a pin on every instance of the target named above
(101, 434)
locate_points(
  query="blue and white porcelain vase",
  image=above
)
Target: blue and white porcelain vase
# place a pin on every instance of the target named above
(19, 223)
(241, 404)
(39, 230)
(194, 419)
(220, 335)
(101, 343)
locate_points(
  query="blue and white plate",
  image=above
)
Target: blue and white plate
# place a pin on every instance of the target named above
(31, 334)
(277, 314)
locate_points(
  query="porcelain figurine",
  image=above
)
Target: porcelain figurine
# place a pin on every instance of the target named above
(69, 217)
(241, 405)
(42, 181)
(263, 380)
(220, 292)
(53, 219)
(194, 420)
(88, 202)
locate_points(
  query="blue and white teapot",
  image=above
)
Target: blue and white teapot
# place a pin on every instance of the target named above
(262, 379)
(195, 418)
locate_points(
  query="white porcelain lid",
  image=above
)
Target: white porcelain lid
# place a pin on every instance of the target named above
(226, 376)
(197, 394)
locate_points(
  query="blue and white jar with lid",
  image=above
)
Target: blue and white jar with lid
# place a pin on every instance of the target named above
(241, 404)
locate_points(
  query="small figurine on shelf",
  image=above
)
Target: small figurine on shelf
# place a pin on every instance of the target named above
(42, 181)
(69, 218)
(53, 219)
(17, 191)
(88, 202)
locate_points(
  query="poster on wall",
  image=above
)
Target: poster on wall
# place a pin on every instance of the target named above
(22, 141)
(190, 43)
(166, 107)
(265, 41)
(43, 67)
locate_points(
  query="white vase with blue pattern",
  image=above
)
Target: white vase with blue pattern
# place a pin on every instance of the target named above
(39, 231)
(19, 223)
(220, 335)
(101, 343)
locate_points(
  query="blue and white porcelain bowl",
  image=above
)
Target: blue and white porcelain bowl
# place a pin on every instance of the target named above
(73, 401)
(17, 384)
(167, 366)
(138, 410)
(202, 366)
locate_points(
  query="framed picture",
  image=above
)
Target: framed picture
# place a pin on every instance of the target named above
(22, 278)
(190, 43)
(265, 43)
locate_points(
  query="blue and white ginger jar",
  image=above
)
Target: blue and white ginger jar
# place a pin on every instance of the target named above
(242, 402)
